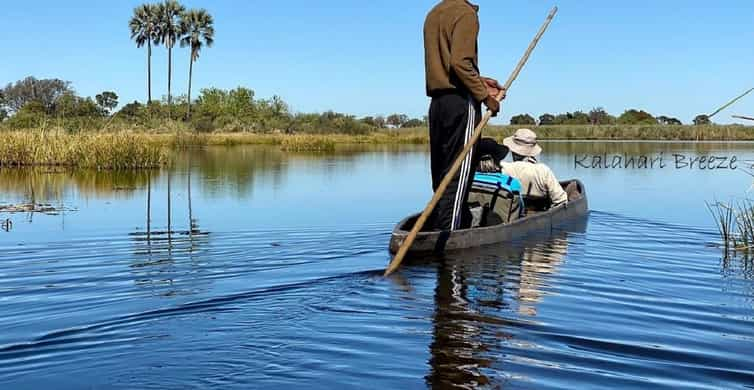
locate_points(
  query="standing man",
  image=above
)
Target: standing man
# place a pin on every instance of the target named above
(457, 91)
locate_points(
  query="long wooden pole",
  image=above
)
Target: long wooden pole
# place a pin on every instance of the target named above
(398, 259)
(743, 117)
(730, 103)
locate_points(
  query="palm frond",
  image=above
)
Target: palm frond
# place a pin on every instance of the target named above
(197, 31)
(144, 24)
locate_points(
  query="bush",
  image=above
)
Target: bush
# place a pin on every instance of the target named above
(523, 119)
(32, 115)
(413, 123)
(702, 120)
(636, 117)
(546, 119)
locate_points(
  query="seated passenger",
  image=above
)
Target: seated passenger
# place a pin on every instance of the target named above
(492, 154)
(538, 183)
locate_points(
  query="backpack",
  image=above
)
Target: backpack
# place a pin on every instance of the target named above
(499, 197)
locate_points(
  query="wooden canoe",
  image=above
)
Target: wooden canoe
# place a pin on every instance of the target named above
(437, 242)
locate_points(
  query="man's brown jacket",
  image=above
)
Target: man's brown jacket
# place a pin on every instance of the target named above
(450, 48)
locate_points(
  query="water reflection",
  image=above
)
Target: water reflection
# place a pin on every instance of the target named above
(39, 185)
(162, 256)
(239, 170)
(480, 295)
(738, 265)
(170, 264)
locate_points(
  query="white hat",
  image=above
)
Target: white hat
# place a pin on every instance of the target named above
(523, 142)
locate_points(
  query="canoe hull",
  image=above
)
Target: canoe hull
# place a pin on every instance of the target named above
(434, 242)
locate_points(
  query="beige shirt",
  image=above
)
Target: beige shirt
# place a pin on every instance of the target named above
(536, 180)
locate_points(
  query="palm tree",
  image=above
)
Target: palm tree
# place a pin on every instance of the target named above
(144, 27)
(170, 32)
(198, 31)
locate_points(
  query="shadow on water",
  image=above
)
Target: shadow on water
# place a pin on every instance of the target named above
(482, 292)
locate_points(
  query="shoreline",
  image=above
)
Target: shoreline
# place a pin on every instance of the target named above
(138, 149)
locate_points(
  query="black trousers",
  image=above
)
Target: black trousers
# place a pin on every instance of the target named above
(453, 116)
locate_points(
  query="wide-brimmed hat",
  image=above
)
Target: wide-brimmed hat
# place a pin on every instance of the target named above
(523, 142)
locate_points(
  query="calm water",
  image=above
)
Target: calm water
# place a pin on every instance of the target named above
(270, 278)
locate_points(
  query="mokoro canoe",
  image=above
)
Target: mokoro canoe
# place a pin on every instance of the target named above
(437, 242)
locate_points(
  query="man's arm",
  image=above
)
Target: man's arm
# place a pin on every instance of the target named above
(554, 189)
(463, 51)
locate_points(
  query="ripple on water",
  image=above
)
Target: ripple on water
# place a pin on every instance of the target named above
(624, 303)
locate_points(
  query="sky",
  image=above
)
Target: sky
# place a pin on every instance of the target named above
(677, 58)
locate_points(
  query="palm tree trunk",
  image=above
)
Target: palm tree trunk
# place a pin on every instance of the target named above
(170, 79)
(191, 72)
(149, 72)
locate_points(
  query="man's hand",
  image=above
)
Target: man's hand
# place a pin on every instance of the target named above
(493, 105)
(493, 87)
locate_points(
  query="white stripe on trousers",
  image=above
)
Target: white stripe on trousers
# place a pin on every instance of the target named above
(465, 167)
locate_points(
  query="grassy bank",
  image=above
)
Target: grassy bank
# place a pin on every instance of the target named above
(420, 135)
(135, 148)
(122, 150)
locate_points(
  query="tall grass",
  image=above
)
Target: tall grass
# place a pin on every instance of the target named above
(307, 143)
(122, 150)
(735, 225)
(133, 147)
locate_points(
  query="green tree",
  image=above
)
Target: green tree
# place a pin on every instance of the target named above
(169, 13)
(72, 106)
(30, 116)
(702, 119)
(523, 119)
(546, 119)
(44, 91)
(240, 102)
(572, 118)
(598, 116)
(107, 100)
(3, 114)
(414, 122)
(636, 117)
(375, 121)
(131, 110)
(144, 26)
(198, 31)
(664, 120)
(397, 120)
(579, 118)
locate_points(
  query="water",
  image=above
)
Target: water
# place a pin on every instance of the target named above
(271, 279)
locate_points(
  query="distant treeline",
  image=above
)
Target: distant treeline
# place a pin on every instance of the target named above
(598, 116)
(37, 103)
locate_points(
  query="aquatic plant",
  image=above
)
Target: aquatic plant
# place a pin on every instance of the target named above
(735, 225)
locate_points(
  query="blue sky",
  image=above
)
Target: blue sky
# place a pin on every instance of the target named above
(671, 57)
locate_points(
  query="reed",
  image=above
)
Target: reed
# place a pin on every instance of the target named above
(735, 225)
(122, 150)
(134, 147)
(307, 143)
